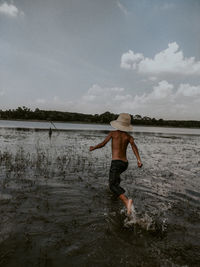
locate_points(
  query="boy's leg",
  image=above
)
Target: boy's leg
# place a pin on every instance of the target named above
(114, 179)
(114, 183)
(128, 202)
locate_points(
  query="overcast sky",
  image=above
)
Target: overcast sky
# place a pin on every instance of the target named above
(92, 56)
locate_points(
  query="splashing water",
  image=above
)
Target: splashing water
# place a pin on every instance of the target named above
(131, 218)
(145, 221)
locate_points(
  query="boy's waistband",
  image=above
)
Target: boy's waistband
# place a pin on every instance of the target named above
(119, 160)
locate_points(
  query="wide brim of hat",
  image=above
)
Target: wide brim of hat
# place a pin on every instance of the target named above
(115, 124)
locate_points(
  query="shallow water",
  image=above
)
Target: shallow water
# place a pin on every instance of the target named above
(41, 125)
(56, 209)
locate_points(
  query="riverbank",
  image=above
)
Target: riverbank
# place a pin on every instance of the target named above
(104, 118)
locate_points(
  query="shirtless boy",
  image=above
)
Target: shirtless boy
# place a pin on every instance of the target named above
(120, 140)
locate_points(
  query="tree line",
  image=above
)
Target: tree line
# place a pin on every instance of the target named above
(24, 113)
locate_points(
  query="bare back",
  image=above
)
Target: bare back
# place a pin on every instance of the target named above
(120, 141)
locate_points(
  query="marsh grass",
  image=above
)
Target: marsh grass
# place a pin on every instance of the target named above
(54, 197)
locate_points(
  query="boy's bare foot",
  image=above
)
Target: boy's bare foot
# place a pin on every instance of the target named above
(129, 205)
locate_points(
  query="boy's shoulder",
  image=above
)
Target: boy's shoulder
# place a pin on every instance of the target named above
(130, 137)
(117, 132)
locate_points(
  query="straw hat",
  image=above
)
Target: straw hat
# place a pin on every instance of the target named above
(122, 123)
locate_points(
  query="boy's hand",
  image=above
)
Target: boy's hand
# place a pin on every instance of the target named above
(91, 148)
(139, 164)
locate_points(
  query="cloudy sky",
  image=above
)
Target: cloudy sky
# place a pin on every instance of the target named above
(92, 56)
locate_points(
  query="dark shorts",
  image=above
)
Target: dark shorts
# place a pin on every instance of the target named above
(116, 168)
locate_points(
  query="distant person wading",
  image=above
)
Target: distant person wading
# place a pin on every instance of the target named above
(50, 132)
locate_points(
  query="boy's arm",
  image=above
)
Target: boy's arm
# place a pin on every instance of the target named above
(136, 152)
(102, 144)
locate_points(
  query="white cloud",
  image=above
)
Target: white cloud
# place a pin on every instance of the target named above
(130, 60)
(163, 100)
(188, 90)
(122, 8)
(160, 93)
(98, 99)
(167, 102)
(171, 60)
(10, 10)
(163, 90)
